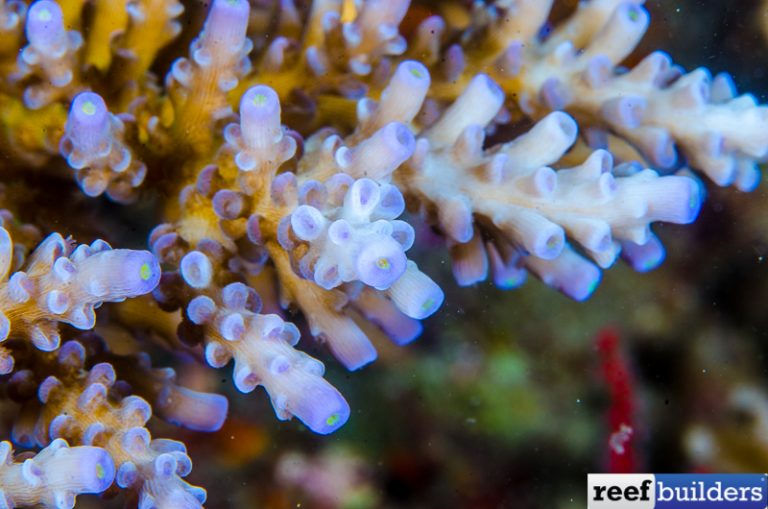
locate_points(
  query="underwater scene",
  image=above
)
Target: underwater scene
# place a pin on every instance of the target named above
(353, 254)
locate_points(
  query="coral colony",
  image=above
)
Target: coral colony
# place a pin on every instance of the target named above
(289, 141)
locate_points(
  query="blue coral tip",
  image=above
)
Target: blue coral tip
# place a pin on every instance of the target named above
(88, 110)
(635, 14)
(236, 6)
(413, 72)
(582, 283)
(199, 411)
(381, 263)
(689, 201)
(644, 257)
(44, 24)
(98, 464)
(323, 409)
(259, 102)
(146, 266)
(695, 200)
(230, 15)
(133, 272)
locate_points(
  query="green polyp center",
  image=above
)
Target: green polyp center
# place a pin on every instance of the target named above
(332, 419)
(259, 99)
(428, 304)
(510, 281)
(145, 271)
(416, 72)
(383, 264)
(552, 242)
(100, 471)
(634, 14)
(88, 108)
(593, 286)
(44, 15)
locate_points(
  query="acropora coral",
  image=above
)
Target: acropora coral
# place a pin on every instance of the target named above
(297, 151)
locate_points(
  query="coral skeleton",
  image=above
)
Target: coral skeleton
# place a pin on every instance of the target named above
(292, 175)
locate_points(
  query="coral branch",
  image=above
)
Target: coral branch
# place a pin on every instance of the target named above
(49, 60)
(218, 59)
(110, 18)
(64, 283)
(261, 347)
(54, 476)
(94, 147)
(83, 406)
(151, 25)
(509, 191)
